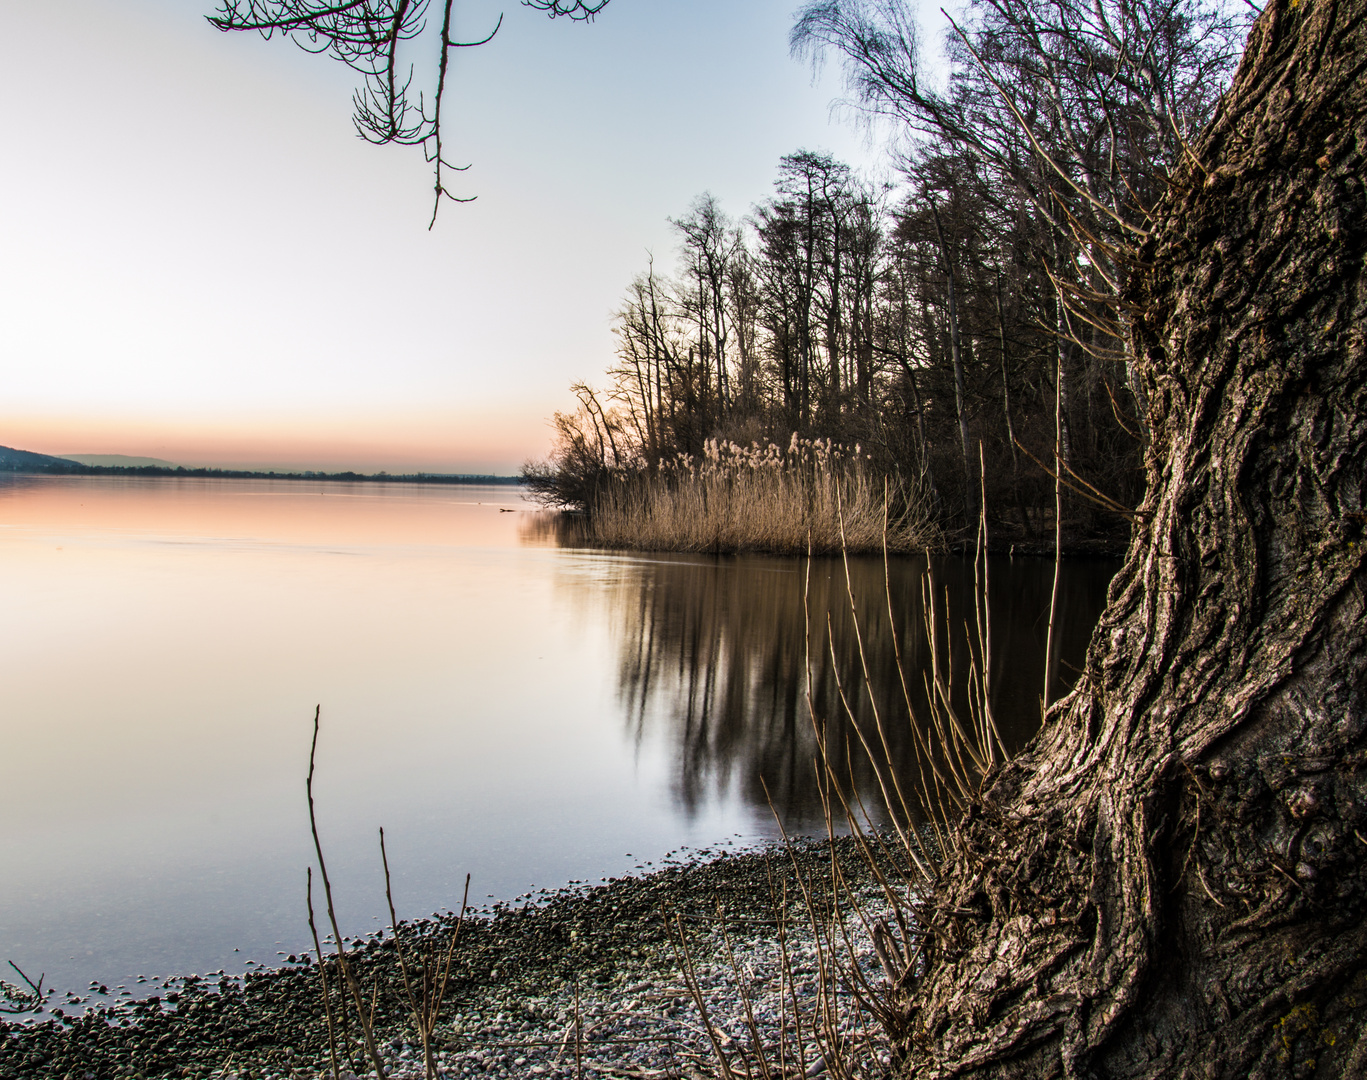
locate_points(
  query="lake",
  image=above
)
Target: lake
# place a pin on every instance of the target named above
(504, 705)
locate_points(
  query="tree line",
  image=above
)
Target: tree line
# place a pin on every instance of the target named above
(961, 325)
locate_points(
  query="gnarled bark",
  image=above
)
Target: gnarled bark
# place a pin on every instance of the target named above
(1172, 879)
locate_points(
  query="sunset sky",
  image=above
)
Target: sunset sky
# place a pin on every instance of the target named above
(202, 263)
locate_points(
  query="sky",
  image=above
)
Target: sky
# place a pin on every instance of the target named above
(202, 263)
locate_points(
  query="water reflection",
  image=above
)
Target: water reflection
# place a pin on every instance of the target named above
(526, 712)
(720, 653)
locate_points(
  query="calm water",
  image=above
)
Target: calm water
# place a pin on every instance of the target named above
(503, 706)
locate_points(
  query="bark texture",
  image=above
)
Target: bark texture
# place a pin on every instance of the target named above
(1172, 879)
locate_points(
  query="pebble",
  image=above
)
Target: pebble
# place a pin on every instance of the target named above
(587, 981)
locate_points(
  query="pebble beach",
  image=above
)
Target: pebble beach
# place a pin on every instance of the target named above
(651, 976)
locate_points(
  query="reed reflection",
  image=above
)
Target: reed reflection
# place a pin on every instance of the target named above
(718, 655)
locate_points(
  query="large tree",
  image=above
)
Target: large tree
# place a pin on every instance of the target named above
(1172, 879)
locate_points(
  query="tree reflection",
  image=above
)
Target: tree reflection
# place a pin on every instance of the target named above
(719, 654)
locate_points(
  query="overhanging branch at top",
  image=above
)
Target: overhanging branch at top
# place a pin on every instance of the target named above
(369, 36)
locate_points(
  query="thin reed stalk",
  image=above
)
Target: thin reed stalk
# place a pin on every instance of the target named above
(1050, 645)
(578, 1038)
(323, 978)
(424, 1002)
(958, 751)
(684, 957)
(960, 746)
(366, 1018)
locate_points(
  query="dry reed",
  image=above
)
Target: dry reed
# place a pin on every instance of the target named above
(425, 986)
(959, 749)
(425, 977)
(366, 1017)
(762, 499)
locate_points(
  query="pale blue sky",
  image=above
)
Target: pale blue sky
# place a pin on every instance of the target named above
(202, 262)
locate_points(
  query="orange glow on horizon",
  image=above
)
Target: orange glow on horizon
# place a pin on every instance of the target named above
(493, 441)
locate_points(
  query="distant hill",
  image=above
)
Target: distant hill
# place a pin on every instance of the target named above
(12, 460)
(122, 465)
(121, 461)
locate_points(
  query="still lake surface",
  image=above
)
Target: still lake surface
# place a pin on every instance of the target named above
(504, 705)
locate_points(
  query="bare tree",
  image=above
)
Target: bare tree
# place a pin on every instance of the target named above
(709, 249)
(956, 360)
(1082, 108)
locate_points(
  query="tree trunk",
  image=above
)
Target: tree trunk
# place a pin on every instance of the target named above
(1171, 880)
(956, 358)
(1010, 426)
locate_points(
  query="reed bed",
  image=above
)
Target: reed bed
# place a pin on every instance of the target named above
(814, 495)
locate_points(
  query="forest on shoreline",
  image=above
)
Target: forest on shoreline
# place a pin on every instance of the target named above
(181, 472)
(954, 327)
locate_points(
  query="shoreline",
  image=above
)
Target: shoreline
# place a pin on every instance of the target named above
(603, 960)
(180, 472)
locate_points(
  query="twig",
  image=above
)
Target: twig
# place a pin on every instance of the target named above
(685, 961)
(366, 1021)
(322, 975)
(578, 1038)
(36, 988)
(1087, 491)
(30, 1000)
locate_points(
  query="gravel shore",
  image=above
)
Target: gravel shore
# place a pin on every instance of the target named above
(587, 982)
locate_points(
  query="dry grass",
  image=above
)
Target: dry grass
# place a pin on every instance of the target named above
(813, 496)
(424, 986)
(857, 920)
